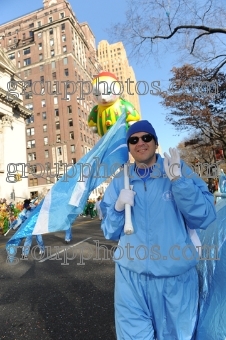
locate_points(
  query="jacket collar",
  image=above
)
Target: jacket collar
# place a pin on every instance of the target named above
(158, 169)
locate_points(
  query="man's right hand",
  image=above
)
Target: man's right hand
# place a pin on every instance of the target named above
(126, 196)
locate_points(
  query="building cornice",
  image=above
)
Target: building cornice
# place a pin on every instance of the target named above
(14, 103)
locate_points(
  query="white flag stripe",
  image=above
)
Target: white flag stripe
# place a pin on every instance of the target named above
(41, 226)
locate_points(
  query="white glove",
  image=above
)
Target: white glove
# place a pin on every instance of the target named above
(172, 164)
(126, 196)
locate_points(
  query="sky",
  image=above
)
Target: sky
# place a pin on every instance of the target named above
(100, 15)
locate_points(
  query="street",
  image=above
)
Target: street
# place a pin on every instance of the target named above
(65, 294)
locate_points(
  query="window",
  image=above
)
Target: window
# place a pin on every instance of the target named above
(11, 56)
(62, 15)
(48, 180)
(45, 140)
(74, 160)
(40, 46)
(31, 144)
(39, 23)
(28, 95)
(27, 72)
(62, 27)
(65, 61)
(81, 136)
(31, 156)
(56, 111)
(59, 151)
(30, 132)
(51, 31)
(28, 83)
(58, 138)
(52, 53)
(46, 153)
(48, 166)
(41, 68)
(50, 19)
(30, 119)
(29, 106)
(71, 134)
(54, 75)
(64, 38)
(64, 48)
(45, 128)
(55, 100)
(27, 51)
(31, 34)
(43, 115)
(68, 97)
(66, 72)
(69, 109)
(72, 148)
(57, 125)
(53, 63)
(51, 42)
(33, 182)
(43, 103)
(27, 61)
(70, 122)
(40, 56)
(31, 25)
(39, 35)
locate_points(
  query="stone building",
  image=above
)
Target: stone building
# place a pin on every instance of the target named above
(13, 180)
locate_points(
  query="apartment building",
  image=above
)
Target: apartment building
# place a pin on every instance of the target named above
(113, 58)
(55, 56)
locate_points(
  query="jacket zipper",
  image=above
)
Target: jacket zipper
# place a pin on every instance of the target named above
(145, 188)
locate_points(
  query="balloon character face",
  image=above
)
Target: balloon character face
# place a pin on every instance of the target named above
(104, 94)
(106, 89)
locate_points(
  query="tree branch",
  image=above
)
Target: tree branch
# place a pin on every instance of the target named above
(204, 28)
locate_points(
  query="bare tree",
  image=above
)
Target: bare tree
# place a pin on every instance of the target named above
(195, 28)
(193, 150)
(197, 109)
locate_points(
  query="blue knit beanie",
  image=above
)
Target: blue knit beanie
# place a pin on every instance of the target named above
(141, 126)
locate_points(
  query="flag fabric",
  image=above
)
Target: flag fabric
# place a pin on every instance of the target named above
(67, 198)
(212, 278)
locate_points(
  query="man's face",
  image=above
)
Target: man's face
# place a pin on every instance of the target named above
(143, 152)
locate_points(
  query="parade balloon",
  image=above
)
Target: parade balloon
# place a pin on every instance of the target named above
(108, 90)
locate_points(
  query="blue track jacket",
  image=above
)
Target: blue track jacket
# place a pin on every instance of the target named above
(160, 244)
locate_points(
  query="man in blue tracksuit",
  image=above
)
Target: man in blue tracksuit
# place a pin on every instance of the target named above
(156, 283)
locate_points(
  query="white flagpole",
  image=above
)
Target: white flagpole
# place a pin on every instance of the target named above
(128, 227)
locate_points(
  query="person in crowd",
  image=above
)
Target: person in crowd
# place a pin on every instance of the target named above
(97, 208)
(68, 235)
(29, 207)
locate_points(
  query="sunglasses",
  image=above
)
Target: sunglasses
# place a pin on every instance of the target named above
(145, 138)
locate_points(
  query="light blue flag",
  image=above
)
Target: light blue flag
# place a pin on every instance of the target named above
(212, 278)
(67, 198)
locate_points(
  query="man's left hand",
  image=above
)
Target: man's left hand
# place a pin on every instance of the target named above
(172, 164)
